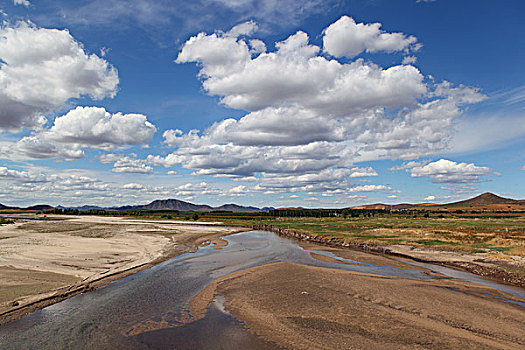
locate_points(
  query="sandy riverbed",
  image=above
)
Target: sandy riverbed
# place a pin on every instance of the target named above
(304, 307)
(42, 262)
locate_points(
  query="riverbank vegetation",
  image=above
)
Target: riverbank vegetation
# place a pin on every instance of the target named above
(497, 232)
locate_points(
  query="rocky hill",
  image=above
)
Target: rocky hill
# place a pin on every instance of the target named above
(486, 198)
(176, 204)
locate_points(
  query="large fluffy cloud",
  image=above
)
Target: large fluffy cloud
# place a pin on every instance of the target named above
(97, 127)
(447, 171)
(309, 113)
(84, 127)
(296, 75)
(40, 69)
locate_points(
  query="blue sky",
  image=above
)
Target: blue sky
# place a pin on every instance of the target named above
(313, 103)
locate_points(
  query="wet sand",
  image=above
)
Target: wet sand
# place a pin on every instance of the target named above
(356, 255)
(43, 262)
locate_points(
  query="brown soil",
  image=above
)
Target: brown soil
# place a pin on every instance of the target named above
(303, 307)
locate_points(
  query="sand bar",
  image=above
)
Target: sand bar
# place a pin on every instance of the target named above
(42, 262)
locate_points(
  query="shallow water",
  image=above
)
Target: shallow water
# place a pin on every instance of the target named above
(146, 310)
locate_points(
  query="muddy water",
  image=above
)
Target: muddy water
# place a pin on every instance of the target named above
(148, 309)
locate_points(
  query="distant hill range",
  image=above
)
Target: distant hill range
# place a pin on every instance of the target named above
(40, 207)
(176, 204)
(485, 201)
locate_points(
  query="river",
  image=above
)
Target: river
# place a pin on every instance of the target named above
(108, 317)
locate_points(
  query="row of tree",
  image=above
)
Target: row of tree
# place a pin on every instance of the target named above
(276, 213)
(325, 213)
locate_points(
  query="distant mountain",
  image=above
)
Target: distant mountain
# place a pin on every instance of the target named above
(161, 204)
(88, 207)
(485, 199)
(237, 208)
(176, 204)
(39, 207)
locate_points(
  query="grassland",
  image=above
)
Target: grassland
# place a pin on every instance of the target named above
(481, 234)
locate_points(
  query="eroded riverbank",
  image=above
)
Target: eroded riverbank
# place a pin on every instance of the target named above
(284, 294)
(506, 271)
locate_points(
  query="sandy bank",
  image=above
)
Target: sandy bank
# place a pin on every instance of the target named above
(304, 307)
(42, 262)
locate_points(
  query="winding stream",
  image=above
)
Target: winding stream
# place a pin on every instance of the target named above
(109, 317)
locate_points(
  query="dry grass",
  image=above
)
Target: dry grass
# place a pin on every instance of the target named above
(483, 235)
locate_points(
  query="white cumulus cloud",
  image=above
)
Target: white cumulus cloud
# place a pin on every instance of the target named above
(369, 188)
(309, 115)
(132, 186)
(346, 38)
(37, 147)
(447, 171)
(25, 3)
(126, 163)
(41, 69)
(84, 127)
(96, 127)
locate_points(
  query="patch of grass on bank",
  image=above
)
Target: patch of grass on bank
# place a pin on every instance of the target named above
(6, 221)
